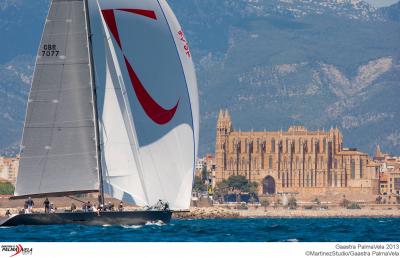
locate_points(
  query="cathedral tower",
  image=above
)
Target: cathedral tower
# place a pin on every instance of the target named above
(224, 128)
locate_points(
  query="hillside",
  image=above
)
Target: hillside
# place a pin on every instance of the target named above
(272, 63)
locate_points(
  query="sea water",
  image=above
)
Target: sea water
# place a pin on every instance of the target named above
(216, 230)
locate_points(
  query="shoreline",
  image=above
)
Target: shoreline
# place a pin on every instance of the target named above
(224, 213)
(221, 213)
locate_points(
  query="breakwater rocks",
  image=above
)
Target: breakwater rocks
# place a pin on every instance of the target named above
(226, 213)
(206, 213)
(222, 213)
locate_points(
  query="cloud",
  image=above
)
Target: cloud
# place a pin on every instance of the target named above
(381, 3)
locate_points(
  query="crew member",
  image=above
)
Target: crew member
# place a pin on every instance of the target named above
(30, 204)
(121, 206)
(46, 204)
(89, 206)
(53, 208)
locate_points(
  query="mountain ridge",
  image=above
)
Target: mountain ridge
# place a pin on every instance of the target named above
(272, 63)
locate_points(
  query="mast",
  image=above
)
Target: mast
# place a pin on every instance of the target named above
(95, 112)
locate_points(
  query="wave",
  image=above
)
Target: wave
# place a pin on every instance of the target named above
(131, 226)
(155, 223)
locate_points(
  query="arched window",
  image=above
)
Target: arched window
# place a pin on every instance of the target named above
(353, 169)
(270, 162)
(300, 145)
(257, 145)
(287, 146)
(324, 145)
(273, 145)
(361, 168)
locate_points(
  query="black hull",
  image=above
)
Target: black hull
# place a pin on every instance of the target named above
(89, 218)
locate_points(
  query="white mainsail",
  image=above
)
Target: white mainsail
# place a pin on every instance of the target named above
(148, 104)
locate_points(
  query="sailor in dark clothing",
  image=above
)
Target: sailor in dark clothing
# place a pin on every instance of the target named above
(30, 204)
(166, 206)
(46, 204)
(89, 206)
(110, 206)
(8, 213)
(121, 206)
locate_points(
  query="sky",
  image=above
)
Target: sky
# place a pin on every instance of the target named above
(380, 3)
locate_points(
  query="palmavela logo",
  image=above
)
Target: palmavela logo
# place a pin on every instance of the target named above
(15, 250)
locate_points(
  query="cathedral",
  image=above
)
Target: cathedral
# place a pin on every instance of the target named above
(296, 161)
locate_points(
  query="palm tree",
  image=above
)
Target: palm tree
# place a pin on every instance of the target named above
(265, 204)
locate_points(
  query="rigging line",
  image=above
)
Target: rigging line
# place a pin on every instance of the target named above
(76, 199)
(94, 100)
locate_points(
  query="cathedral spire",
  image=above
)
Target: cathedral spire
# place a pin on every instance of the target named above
(220, 115)
(378, 152)
(227, 115)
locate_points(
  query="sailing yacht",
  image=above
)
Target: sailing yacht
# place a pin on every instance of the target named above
(113, 109)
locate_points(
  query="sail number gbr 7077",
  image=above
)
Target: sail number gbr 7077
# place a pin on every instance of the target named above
(50, 50)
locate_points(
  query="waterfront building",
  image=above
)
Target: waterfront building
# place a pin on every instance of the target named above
(9, 169)
(199, 166)
(297, 161)
(206, 164)
(394, 182)
(389, 172)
